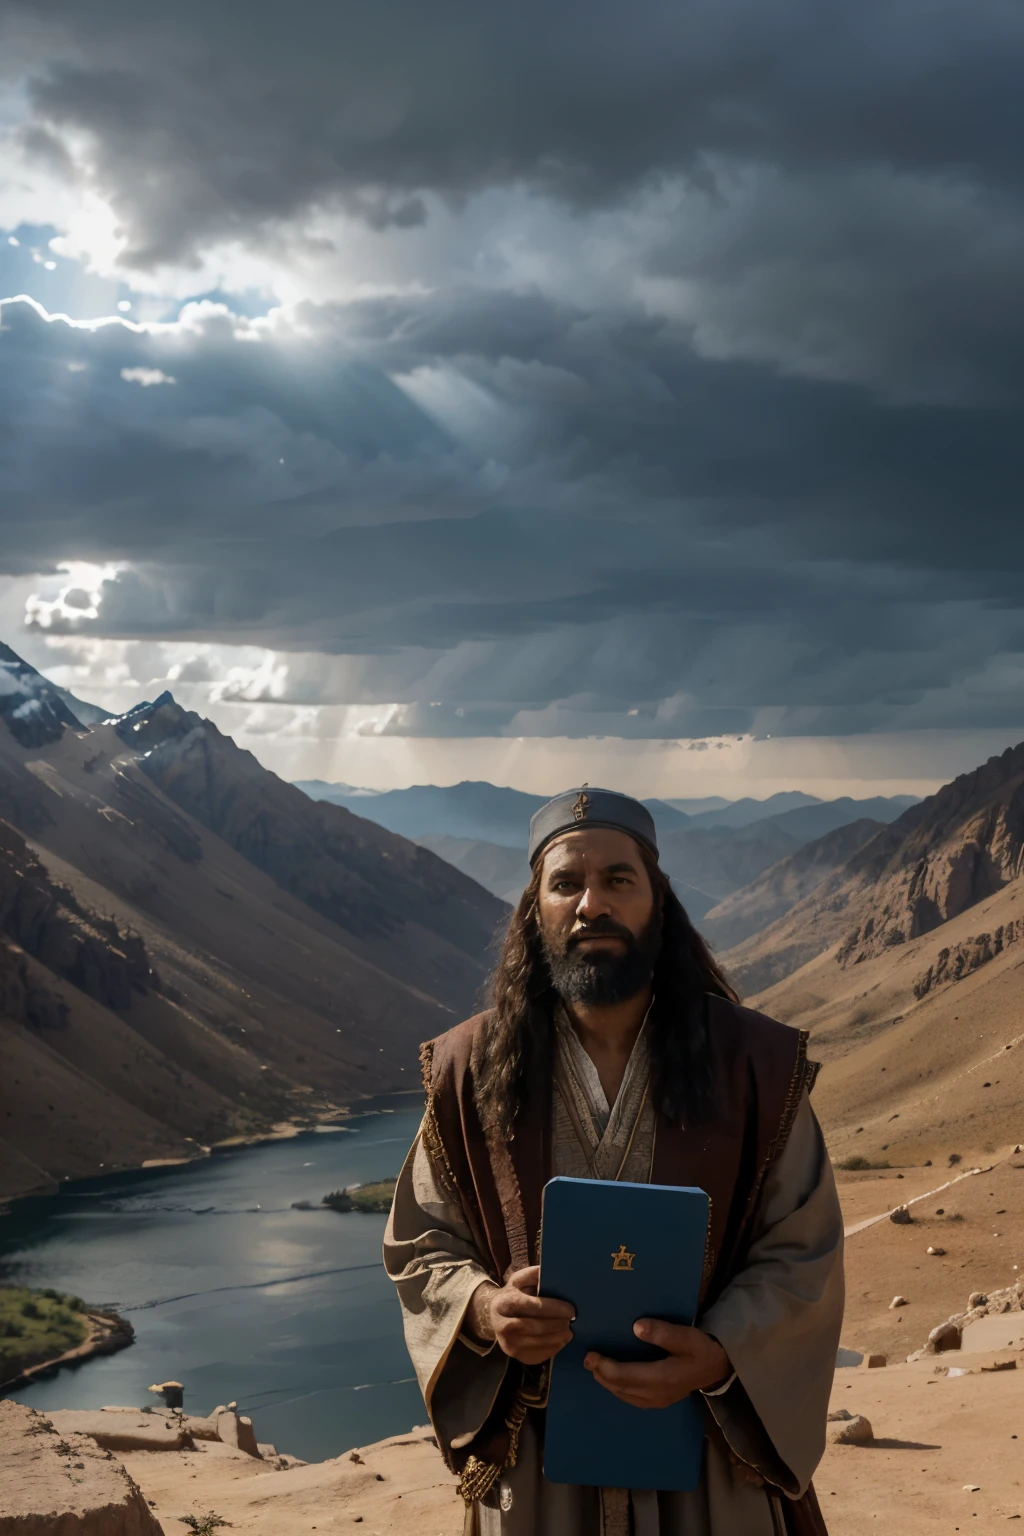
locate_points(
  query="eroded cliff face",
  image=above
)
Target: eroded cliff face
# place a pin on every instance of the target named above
(940, 858)
(965, 844)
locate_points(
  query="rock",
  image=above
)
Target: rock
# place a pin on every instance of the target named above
(1001, 1365)
(42, 1495)
(201, 1429)
(898, 1301)
(945, 1336)
(874, 1362)
(839, 1415)
(234, 1429)
(853, 1431)
(937, 1253)
(123, 1431)
(976, 1299)
(901, 1216)
(172, 1392)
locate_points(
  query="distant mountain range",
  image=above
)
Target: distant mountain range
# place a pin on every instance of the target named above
(191, 949)
(710, 850)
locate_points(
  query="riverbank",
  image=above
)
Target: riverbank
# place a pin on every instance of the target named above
(52, 1319)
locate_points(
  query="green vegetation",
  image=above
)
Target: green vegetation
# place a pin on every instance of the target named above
(364, 1197)
(859, 1164)
(37, 1326)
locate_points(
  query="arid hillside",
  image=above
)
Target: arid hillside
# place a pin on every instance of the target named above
(190, 949)
(938, 860)
(779, 888)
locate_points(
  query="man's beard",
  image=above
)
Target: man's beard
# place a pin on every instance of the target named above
(609, 976)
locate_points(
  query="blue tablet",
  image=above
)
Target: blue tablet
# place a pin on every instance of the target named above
(620, 1252)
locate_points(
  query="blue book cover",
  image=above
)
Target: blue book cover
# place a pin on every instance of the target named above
(620, 1252)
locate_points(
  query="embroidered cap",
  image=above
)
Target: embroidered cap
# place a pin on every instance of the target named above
(577, 809)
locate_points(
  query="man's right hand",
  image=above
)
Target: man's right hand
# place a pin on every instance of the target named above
(527, 1327)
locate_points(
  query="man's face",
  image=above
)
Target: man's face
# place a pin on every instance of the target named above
(599, 919)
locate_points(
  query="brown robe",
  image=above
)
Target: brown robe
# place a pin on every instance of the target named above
(495, 1188)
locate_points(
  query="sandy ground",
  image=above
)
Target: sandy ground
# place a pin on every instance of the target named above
(934, 1435)
(982, 1230)
(399, 1487)
(945, 1458)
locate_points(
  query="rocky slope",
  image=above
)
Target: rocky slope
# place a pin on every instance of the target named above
(191, 950)
(782, 885)
(938, 860)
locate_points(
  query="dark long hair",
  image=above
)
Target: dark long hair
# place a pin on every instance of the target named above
(518, 1030)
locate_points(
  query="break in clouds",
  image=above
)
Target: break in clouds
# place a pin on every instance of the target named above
(643, 371)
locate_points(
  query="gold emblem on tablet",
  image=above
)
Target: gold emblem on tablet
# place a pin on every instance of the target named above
(622, 1259)
(582, 805)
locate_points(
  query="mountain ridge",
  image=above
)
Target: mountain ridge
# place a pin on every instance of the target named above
(297, 954)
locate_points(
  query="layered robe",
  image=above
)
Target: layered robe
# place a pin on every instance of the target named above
(778, 1318)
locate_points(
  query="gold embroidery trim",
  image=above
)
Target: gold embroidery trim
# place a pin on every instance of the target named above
(792, 1103)
(430, 1131)
(479, 1477)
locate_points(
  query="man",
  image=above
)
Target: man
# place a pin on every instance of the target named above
(615, 1049)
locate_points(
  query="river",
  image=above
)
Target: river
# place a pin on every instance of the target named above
(234, 1293)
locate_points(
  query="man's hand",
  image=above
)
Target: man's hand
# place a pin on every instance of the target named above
(528, 1327)
(695, 1361)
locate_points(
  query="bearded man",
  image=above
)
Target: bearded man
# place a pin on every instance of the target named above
(615, 1049)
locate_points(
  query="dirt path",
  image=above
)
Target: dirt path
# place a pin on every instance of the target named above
(869, 1221)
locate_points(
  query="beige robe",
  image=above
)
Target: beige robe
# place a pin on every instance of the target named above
(778, 1321)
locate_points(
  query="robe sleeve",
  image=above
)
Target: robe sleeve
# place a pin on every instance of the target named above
(780, 1318)
(430, 1255)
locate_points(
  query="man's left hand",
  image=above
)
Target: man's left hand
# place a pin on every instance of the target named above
(694, 1361)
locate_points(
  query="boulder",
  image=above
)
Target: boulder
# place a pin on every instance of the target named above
(945, 1336)
(124, 1431)
(54, 1485)
(936, 1253)
(234, 1429)
(901, 1216)
(898, 1301)
(855, 1430)
(976, 1299)
(200, 1429)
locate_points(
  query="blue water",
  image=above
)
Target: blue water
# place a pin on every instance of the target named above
(233, 1293)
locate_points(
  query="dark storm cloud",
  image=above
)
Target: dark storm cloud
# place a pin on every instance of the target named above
(209, 120)
(613, 575)
(727, 434)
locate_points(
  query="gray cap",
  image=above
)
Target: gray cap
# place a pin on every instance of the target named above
(577, 809)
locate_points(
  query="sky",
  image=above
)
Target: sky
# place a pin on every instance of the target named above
(541, 393)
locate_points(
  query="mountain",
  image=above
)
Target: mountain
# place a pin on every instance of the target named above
(805, 815)
(88, 714)
(814, 821)
(707, 864)
(906, 965)
(192, 949)
(34, 711)
(472, 811)
(476, 811)
(504, 871)
(782, 885)
(482, 830)
(938, 859)
(742, 813)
